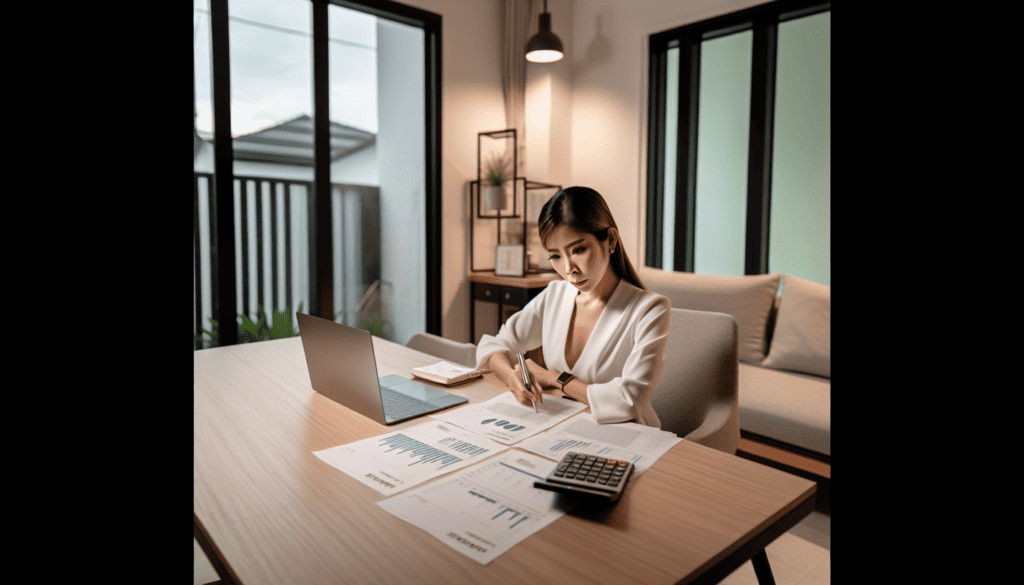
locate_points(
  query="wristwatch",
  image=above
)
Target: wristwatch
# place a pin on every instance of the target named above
(564, 379)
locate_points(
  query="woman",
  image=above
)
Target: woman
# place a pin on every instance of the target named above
(598, 326)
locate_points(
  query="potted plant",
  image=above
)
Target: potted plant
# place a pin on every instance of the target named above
(498, 171)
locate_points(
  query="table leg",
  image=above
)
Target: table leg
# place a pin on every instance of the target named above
(226, 574)
(762, 569)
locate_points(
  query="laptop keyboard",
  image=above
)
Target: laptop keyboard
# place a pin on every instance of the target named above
(398, 405)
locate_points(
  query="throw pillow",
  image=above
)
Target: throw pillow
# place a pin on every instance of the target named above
(802, 338)
(748, 299)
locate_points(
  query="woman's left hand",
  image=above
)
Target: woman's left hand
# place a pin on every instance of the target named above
(547, 379)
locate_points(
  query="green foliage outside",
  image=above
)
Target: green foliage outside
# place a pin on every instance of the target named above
(280, 326)
(277, 327)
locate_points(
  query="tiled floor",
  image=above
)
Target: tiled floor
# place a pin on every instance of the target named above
(802, 556)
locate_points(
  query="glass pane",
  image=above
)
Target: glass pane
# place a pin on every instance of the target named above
(271, 108)
(722, 151)
(800, 234)
(355, 192)
(671, 134)
(202, 168)
(378, 113)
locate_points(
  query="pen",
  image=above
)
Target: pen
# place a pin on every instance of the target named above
(526, 376)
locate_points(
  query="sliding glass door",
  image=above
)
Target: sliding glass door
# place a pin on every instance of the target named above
(360, 253)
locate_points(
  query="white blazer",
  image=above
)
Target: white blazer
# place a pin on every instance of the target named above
(622, 359)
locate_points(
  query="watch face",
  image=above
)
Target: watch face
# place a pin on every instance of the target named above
(565, 377)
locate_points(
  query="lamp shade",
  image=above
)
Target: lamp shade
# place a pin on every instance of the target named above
(544, 47)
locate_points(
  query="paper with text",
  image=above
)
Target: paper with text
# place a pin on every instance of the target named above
(485, 510)
(640, 444)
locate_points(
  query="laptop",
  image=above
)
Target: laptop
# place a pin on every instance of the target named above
(342, 367)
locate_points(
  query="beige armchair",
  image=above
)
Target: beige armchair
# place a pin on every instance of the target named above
(463, 354)
(696, 397)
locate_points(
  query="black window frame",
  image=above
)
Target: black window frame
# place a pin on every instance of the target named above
(223, 286)
(763, 20)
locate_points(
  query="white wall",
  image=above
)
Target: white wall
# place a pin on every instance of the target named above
(548, 105)
(471, 102)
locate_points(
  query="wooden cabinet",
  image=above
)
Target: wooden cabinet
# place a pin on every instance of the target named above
(510, 293)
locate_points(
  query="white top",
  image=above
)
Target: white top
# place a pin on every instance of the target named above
(622, 359)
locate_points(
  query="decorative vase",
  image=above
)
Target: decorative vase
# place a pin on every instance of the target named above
(494, 197)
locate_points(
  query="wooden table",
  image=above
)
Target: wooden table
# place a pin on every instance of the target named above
(266, 510)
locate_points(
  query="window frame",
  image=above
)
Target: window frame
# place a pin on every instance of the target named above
(763, 20)
(223, 286)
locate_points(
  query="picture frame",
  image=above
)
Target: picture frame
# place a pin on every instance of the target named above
(536, 195)
(508, 260)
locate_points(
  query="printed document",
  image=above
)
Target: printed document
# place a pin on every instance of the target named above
(640, 444)
(486, 509)
(503, 419)
(397, 461)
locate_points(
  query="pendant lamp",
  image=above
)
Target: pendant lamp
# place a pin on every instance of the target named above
(544, 47)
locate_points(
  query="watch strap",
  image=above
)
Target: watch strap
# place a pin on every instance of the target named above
(564, 378)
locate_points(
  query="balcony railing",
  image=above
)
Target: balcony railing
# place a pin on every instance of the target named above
(273, 241)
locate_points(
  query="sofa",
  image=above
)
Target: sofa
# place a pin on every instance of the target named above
(784, 327)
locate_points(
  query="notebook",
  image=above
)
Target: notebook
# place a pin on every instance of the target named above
(342, 367)
(446, 373)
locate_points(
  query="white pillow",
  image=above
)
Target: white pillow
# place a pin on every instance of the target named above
(801, 341)
(748, 299)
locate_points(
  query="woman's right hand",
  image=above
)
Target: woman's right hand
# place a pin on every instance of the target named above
(523, 394)
(501, 364)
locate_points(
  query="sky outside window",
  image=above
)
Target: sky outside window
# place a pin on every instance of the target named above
(271, 65)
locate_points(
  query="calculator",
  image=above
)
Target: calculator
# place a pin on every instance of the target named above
(588, 478)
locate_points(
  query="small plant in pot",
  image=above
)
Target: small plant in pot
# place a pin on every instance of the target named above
(497, 168)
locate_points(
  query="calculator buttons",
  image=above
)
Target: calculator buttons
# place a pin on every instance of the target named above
(588, 477)
(578, 469)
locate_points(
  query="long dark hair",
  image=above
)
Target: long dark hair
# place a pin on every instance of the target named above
(584, 210)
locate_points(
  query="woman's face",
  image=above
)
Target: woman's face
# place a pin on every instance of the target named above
(579, 258)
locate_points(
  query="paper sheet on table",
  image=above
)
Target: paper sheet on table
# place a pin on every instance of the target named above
(640, 444)
(397, 461)
(485, 510)
(503, 419)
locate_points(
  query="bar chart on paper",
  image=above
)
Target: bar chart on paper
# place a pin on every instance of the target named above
(422, 453)
(399, 460)
(504, 515)
(501, 508)
(483, 510)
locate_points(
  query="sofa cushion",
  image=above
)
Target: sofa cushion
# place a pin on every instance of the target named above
(786, 406)
(801, 340)
(748, 299)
